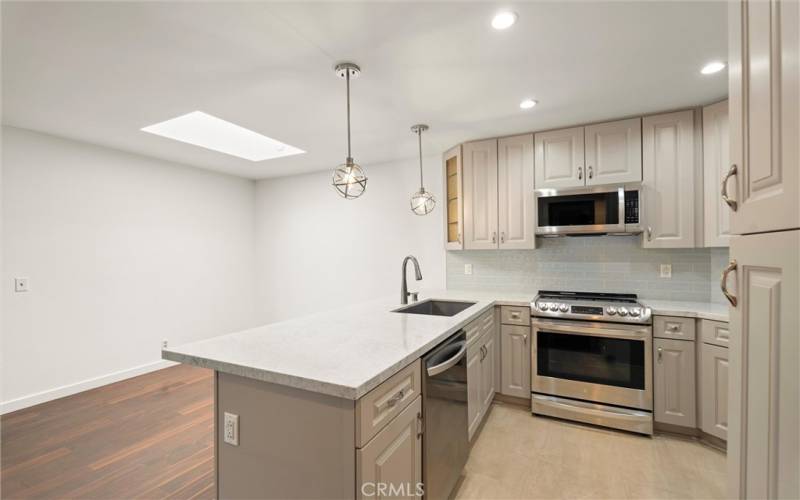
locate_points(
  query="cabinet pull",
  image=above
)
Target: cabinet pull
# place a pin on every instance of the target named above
(458, 237)
(420, 427)
(525, 339)
(502, 236)
(515, 315)
(483, 352)
(649, 233)
(731, 203)
(589, 171)
(580, 173)
(673, 328)
(723, 283)
(395, 399)
(660, 351)
(494, 236)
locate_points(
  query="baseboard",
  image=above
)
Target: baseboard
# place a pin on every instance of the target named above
(84, 385)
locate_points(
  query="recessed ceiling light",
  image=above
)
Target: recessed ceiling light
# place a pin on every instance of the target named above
(210, 132)
(712, 67)
(528, 104)
(504, 20)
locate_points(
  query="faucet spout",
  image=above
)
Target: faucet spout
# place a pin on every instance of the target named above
(403, 284)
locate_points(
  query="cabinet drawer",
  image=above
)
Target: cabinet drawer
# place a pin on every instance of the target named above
(478, 327)
(714, 332)
(513, 315)
(380, 405)
(673, 327)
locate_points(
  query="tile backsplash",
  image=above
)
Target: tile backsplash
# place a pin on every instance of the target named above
(601, 263)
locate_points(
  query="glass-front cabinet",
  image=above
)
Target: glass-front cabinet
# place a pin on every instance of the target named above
(454, 199)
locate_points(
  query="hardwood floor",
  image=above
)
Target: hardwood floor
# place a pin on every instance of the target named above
(146, 437)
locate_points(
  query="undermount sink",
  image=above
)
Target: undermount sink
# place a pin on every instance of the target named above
(436, 307)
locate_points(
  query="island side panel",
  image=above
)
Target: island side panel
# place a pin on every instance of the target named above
(292, 443)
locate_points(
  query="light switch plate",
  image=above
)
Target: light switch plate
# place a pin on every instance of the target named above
(22, 285)
(231, 429)
(467, 268)
(666, 271)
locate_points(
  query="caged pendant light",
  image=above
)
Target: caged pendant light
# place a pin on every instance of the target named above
(348, 178)
(422, 202)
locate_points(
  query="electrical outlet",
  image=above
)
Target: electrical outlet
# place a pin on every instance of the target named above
(231, 429)
(666, 270)
(467, 268)
(164, 343)
(22, 285)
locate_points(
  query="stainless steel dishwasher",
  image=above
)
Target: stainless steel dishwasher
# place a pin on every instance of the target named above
(444, 392)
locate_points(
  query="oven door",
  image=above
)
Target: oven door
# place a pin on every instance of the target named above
(599, 362)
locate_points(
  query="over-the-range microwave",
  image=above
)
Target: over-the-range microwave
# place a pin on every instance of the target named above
(589, 210)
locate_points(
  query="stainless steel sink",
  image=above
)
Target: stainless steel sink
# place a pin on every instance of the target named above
(436, 307)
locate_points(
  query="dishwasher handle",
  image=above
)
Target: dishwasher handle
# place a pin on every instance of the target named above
(449, 362)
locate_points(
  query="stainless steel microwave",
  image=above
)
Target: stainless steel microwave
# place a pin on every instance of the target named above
(589, 210)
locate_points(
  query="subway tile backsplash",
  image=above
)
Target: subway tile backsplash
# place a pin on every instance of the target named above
(600, 263)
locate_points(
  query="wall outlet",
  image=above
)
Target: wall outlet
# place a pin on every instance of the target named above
(666, 271)
(164, 343)
(22, 285)
(467, 268)
(231, 429)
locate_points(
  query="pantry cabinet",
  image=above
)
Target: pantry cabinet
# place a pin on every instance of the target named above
(674, 382)
(716, 162)
(764, 90)
(480, 195)
(559, 161)
(454, 199)
(614, 152)
(668, 182)
(515, 192)
(515, 378)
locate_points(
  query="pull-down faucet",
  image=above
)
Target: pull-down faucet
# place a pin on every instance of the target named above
(403, 285)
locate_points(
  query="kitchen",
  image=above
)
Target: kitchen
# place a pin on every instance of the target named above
(589, 275)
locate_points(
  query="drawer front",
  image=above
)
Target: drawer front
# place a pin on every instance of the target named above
(715, 332)
(380, 405)
(673, 327)
(478, 327)
(513, 315)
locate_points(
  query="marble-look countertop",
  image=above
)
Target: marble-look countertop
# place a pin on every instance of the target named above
(348, 351)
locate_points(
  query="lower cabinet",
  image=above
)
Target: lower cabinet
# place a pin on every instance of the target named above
(393, 458)
(515, 374)
(481, 368)
(674, 382)
(714, 390)
(474, 377)
(487, 372)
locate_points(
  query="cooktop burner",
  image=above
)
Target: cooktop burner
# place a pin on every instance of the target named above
(590, 306)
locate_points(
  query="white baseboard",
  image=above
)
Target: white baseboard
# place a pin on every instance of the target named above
(85, 385)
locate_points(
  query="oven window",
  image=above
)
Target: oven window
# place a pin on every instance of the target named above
(598, 360)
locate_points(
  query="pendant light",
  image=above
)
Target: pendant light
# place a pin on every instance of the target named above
(348, 178)
(422, 202)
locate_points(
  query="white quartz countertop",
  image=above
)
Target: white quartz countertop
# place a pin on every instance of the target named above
(349, 351)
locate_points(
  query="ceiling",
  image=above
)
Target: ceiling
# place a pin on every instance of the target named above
(100, 71)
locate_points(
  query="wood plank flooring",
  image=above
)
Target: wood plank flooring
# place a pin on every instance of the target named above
(146, 437)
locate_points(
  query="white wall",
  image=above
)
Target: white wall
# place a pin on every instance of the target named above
(333, 251)
(122, 251)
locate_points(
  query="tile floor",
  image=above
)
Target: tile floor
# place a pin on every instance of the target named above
(521, 456)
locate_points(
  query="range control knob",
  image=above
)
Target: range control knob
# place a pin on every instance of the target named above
(634, 312)
(622, 311)
(611, 310)
(541, 306)
(563, 308)
(552, 306)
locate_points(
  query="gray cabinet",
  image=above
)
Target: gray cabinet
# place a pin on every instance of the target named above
(714, 390)
(674, 382)
(480, 195)
(481, 369)
(559, 158)
(614, 152)
(716, 162)
(515, 192)
(394, 455)
(515, 369)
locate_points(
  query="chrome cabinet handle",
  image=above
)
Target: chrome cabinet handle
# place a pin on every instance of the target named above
(395, 399)
(514, 315)
(589, 171)
(419, 424)
(502, 236)
(731, 203)
(494, 236)
(458, 237)
(723, 283)
(649, 233)
(660, 352)
(673, 328)
(580, 173)
(525, 339)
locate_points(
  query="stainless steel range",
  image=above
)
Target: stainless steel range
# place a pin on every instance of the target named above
(591, 359)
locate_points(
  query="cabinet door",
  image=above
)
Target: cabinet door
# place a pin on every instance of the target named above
(674, 382)
(515, 192)
(714, 390)
(559, 158)
(394, 455)
(454, 210)
(716, 162)
(480, 195)
(763, 432)
(487, 374)
(515, 361)
(668, 180)
(764, 90)
(474, 390)
(614, 152)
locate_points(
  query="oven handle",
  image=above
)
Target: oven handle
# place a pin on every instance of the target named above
(595, 329)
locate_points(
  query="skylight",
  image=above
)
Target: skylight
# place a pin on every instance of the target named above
(210, 132)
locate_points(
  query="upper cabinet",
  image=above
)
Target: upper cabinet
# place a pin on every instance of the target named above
(453, 220)
(716, 154)
(668, 180)
(764, 90)
(559, 158)
(515, 192)
(614, 152)
(480, 195)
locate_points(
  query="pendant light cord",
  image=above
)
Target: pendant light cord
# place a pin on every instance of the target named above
(419, 134)
(347, 78)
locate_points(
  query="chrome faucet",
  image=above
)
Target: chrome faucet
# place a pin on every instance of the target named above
(404, 286)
